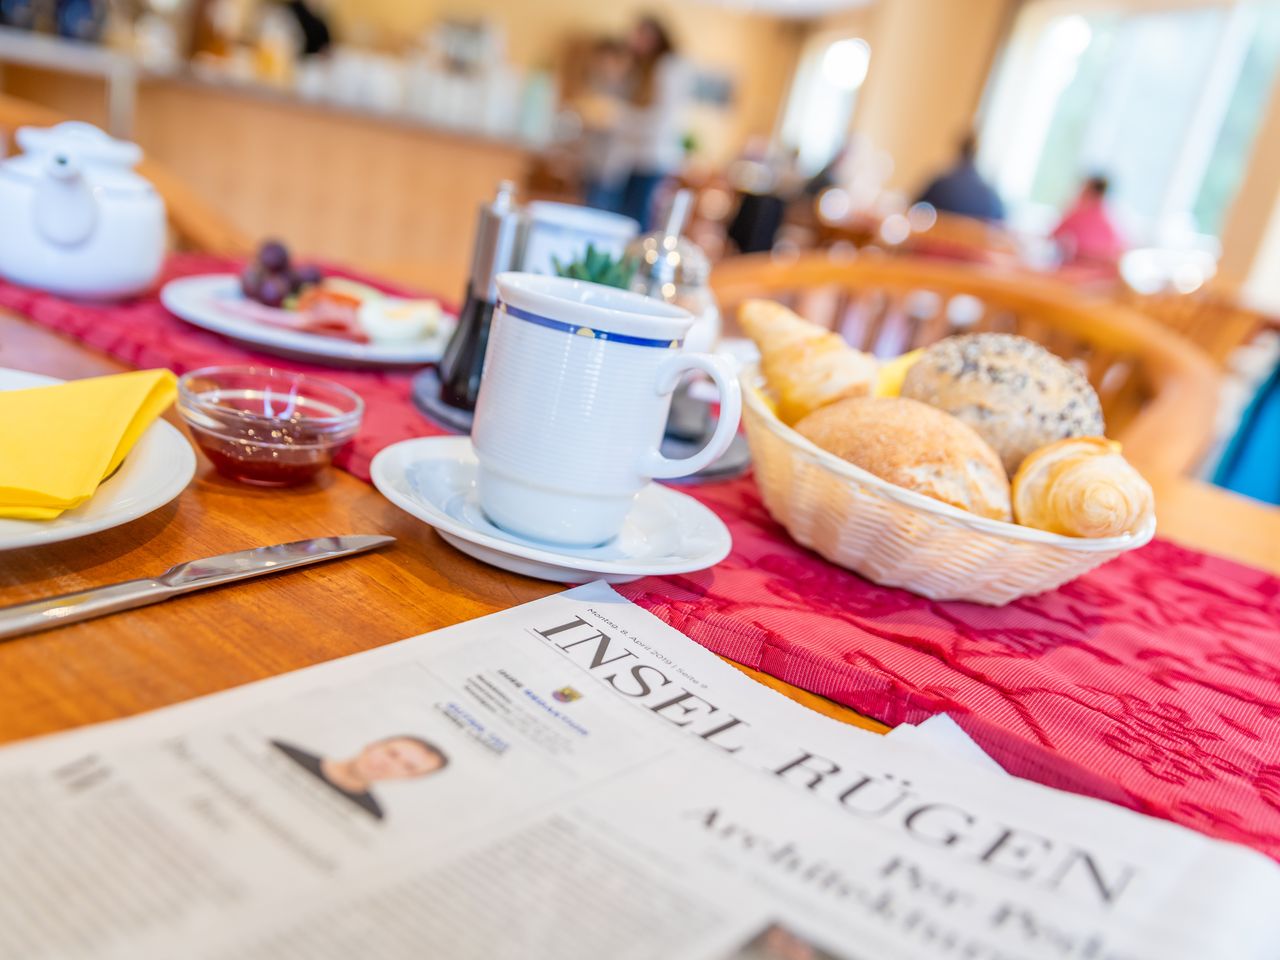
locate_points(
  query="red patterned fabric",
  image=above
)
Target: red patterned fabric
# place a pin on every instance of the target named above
(1153, 681)
(142, 333)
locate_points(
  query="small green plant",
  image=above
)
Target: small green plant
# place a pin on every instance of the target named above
(598, 266)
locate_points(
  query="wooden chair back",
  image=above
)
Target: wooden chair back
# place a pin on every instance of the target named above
(1158, 392)
(1213, 319)
(942, 235)
(857, 231)
(954, 237)
(194, 224)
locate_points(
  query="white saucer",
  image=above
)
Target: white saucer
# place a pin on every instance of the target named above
(434, 479)
(157, 469)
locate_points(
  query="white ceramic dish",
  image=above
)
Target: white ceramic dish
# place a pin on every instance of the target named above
(78, 220)
(434, 479)
(561, 231)
(900, 538)
(196, 300)
(157, 469)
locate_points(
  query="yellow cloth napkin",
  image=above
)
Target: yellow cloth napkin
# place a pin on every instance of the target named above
(58, 443)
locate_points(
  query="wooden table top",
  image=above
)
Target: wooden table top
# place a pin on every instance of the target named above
(219, 638)
(215, 639)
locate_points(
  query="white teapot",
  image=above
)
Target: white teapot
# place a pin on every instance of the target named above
(75, 219)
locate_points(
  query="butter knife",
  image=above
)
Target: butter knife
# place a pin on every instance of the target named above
(184, 578)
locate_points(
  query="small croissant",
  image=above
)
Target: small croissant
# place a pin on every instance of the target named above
(1081, 487)
(806, 366)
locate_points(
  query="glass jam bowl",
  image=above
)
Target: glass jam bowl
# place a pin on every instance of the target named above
(265, 426)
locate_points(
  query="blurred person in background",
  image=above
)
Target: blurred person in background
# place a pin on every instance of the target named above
(830, 175)
(605, 166)
(652, 126)
(1251, 463)
(313, 29)
(1087, 234)
(961, 189)
(768, 183)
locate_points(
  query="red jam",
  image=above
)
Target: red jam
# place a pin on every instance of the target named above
(267, 428)
(273, 466)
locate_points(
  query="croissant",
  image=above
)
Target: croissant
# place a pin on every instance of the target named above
(1082, 487)
(805, 365)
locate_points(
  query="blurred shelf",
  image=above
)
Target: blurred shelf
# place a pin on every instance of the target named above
(44, 52)
(266, 93)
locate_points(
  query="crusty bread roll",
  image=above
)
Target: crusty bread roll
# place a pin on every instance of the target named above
(1081, 487)
(1015, 393)
(805, 365)
(913, 445)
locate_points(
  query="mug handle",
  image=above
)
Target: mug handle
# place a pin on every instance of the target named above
(654, 464)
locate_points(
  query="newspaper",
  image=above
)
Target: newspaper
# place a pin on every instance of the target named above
(941, 733)
(572, 778)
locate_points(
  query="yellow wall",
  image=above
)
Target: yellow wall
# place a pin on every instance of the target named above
(759, 52)
(857, 21)
(929, 65)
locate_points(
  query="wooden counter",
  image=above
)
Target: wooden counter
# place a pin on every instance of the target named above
(389, 194)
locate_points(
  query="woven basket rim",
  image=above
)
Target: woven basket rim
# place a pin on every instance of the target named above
(754, 400)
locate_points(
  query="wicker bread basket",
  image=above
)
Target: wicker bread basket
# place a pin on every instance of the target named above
(900, 538)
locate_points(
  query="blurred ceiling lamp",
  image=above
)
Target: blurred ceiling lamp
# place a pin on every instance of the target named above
(964, 310)
(1072, 35)
(1154, 270)
(894, 229)
(715, 204)
(834, 204)
(842, 251)
(845, 62)
(785, 251)
(922, 216)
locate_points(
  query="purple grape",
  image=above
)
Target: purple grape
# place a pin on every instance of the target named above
(274, 256)
(251, 281)
(306, 275)
(273, 289)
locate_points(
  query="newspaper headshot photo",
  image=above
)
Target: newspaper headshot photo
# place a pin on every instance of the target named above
(776, 942)
(401, 757)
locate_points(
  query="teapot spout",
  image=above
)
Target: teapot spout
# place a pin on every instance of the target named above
(65, 209)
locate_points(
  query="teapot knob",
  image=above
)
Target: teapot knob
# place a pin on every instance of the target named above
(65, 209)
(62, 166)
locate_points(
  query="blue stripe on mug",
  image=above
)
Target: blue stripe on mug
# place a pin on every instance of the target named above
(581, 331)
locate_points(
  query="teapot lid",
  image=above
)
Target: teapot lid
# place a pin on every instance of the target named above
(108, 161)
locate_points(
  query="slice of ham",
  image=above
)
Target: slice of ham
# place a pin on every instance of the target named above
(323, 318)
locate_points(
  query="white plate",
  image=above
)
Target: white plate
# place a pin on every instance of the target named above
(196, 299)
(157, 469)
(434, 479)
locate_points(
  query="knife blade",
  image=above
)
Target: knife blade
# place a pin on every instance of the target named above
(188, 577)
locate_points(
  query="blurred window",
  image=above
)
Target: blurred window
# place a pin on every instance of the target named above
(1240, 125)
(820, 106)
(1165, 102)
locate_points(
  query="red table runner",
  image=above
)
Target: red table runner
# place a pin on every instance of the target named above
(142, 333)
(1153, 681)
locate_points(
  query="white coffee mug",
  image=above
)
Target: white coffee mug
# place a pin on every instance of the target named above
(573, 403)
